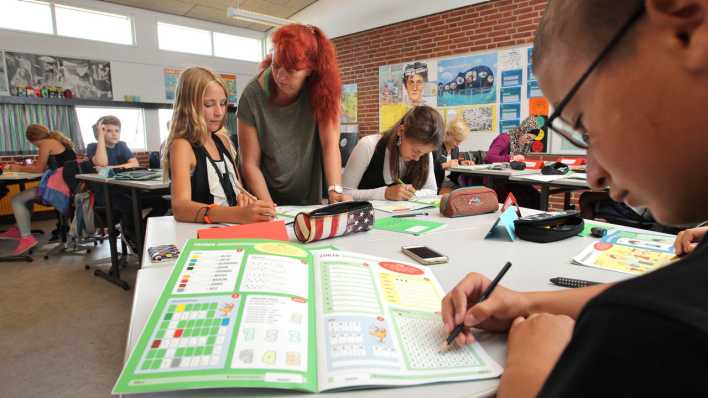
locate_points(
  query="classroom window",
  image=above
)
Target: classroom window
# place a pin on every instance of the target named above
(27, 15)
(237, 47)
(164, 117)
(183, 39)
(94, 25)
(132, 122)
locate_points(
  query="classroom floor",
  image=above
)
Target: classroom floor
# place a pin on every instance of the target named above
(62, 330)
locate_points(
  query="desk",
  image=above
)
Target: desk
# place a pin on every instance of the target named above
(135, 187)
(20, 178)
(561, 185)
(463, 241)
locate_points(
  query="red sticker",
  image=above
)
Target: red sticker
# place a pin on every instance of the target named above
(602, 246)
(299, 299)
(537, 146)
(235, 295)
(400, 268)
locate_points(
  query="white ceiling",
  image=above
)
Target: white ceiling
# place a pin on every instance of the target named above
(215, 10)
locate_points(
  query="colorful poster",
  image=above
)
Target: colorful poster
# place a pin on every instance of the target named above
(538, 106)
(404, 85)
(533, 88)
(3, 75)
(467, 80)
(511, 59)
(172, 78)
(87, 79)
(511, 95)
(510, 111)
(349, 103)
(506, 125)
(511, 78)
(479, 118)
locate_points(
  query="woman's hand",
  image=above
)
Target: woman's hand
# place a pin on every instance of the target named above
(518, 158)
(450, 164)
(467, 162)
(335, 197)
(399, 192)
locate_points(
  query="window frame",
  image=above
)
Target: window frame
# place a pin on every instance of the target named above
(131, 19)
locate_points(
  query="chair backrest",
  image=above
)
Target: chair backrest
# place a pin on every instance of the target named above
(154, 160)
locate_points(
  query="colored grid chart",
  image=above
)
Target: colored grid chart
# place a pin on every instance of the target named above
(193, 334)
(209, 271)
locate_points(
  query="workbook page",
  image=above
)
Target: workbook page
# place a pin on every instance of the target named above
(234, 313)
(379, 324)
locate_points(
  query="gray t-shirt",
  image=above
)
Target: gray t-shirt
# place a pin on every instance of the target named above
(291, 156)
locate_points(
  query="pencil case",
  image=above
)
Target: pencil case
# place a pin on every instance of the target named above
(334, 220)
(469, 201)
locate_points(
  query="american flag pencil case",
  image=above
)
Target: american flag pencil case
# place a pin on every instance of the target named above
(334, 220)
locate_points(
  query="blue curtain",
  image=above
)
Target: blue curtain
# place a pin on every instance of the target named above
(15, 118)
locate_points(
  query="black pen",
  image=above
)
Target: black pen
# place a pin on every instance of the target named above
(409, 215)
(570, 282)
(487, 292)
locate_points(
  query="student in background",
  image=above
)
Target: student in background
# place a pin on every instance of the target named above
(109, 150)
(54, 150)
(398, 164)
(513, 145)
(447, 156)
(288, 121)
(647, 335)
(200, 159)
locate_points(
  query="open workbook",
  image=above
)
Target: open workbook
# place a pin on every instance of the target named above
(271, 314)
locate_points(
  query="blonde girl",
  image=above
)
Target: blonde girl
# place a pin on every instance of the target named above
(200, 159)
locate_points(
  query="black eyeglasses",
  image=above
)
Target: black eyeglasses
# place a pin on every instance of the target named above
(555, 121)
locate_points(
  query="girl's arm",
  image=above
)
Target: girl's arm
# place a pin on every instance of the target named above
(38, 166)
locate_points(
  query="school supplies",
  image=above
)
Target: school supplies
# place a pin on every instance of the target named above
(572, 283)
(399, 206)
(411, 226)
(334, 220)
(628, 252)
(270, 314)
(549, 227)
(469, 201)
(409, 215)
(485, 294)
(162, 252)
(261, 230)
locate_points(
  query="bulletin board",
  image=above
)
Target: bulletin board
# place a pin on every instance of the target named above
(491, 91)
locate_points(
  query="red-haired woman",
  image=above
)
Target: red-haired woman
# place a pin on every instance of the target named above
(288, 121)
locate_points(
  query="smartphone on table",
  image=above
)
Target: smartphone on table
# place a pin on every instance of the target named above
(424, 255)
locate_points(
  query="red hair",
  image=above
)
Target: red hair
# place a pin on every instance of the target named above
(299, 47)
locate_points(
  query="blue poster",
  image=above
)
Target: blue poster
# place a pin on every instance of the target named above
(510, 111)
(506, 125)
(511, 78)
(510, 95)
(531, 75)
(467, 80)
(534, 90)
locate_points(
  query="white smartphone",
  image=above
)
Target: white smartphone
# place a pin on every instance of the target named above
(424, 255)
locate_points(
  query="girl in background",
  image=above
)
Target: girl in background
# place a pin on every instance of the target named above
(54, 150)
(398, 164)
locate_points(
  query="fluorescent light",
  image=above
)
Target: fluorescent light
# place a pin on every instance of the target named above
(255, 17)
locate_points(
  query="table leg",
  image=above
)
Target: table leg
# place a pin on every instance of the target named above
(138, 221)
(113, 274)
(566, 200)
(544, 197)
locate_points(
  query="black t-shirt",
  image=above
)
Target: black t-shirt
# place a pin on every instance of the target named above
(647, 336)
(119, 154)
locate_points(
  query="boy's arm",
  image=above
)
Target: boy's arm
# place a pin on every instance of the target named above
(100, 158)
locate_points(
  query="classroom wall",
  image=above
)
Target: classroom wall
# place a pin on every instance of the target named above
(135, 70)
(494, 24)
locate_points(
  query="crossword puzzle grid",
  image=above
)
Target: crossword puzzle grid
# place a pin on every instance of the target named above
(191, 335)
(421, 335)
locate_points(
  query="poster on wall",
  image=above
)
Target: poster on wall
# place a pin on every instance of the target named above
(85, 78)
(172, 78)
(349, 104)
(479, 118)
(534, 90)
(402, 86)
(3, 75)
(467, 80)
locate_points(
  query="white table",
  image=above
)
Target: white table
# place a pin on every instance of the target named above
(462, 240)
(135, 187)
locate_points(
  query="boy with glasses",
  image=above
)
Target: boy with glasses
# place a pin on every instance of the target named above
(646, 336)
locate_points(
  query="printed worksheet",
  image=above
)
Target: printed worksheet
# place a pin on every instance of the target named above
(273, 314)
(629, 252)
(381, 325)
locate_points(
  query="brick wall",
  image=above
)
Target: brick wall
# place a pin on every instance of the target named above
(495, 24)
(498, 23)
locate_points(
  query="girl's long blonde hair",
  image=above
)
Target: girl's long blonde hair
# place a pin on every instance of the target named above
(37, 132)
(187, 120)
